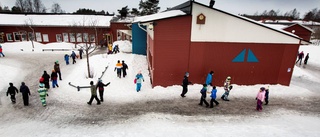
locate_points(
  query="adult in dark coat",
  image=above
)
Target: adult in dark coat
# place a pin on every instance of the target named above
(57, 69)
(25, 93)
(124, 68)
(46, 78)
(100, 86)
(12, 91)
(185, 84)
(301, 56)
(73, 56)
(306, 59)
(80, 52)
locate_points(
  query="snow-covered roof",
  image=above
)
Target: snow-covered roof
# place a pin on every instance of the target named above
(301, 26)
(292, 22)
(54, 20)
(276, 26)
(157, 16)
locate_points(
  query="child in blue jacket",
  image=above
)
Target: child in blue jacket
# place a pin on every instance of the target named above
(213, 97)
(66, 58)
(204, 95)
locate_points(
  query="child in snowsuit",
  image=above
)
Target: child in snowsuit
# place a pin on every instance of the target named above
(267, 96)
(73, 56)
(93, 94)
(46, 79)
(66, 58)
(43, 93)
(57, 69)
(54, 79)
(116, 49)
(124, 68)
(203, 92)
(118, 68)
(227, 88)
(260, 98)
(139, 79)
(12, 91)
(185, 83)
(213, 97)
(25, 93)
(100, 86)
(1, 53)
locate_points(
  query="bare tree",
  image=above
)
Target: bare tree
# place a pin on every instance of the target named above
(21, 5)
(38, 6)
(56, 8)
(29, 5)
(29, 23)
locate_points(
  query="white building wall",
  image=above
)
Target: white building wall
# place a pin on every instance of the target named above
(221, 27)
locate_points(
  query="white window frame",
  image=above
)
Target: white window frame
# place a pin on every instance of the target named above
(30, 36)
(79, 37)
(72, 37)
(58, 37)
(16, 35)
(9, 35)
(85, 37)
(38, 36)
(65, 37)
(45, 37)
(92, 38)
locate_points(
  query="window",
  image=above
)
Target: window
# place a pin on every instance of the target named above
(16, 36)
(72, 37)
(79, 37)
(92, 38)
(38, 37)
(30, 36)
(9, 37)
(23, 36)
(65, 37)
(45, 37)
(58, 37)
(85, 37)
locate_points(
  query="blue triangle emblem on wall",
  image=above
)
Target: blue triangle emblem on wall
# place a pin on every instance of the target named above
(240, 57)
(251, 57)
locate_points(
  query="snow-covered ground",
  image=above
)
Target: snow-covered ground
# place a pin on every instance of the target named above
(293, 111)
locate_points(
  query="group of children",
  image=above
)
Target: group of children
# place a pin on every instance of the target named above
(100, 85)
(262, 96)
(73, 56)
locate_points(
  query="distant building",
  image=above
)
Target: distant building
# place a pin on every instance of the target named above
(47, 28)
(195, 38)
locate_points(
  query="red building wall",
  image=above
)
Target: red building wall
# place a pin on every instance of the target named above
(171, 50)
(272, 68)
(114, 26)
(300, 31)
(52, 31)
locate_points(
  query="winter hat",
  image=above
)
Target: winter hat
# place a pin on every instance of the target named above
(100, 80)
(11, 84)
(211, 72)
(57, 62)
(41, 85)
(22, 83)
(228, 78)
(204, 85)
(187, 74)
(262, 88)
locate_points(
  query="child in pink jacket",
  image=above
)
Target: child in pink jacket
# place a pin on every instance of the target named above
(260, 98)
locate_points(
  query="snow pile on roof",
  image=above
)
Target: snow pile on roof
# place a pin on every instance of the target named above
(276, 26)
(55, 20)
(157, 16)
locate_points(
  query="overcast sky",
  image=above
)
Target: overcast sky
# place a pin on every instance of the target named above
(233, 6)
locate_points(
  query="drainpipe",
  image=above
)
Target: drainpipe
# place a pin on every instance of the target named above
(141, 27)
